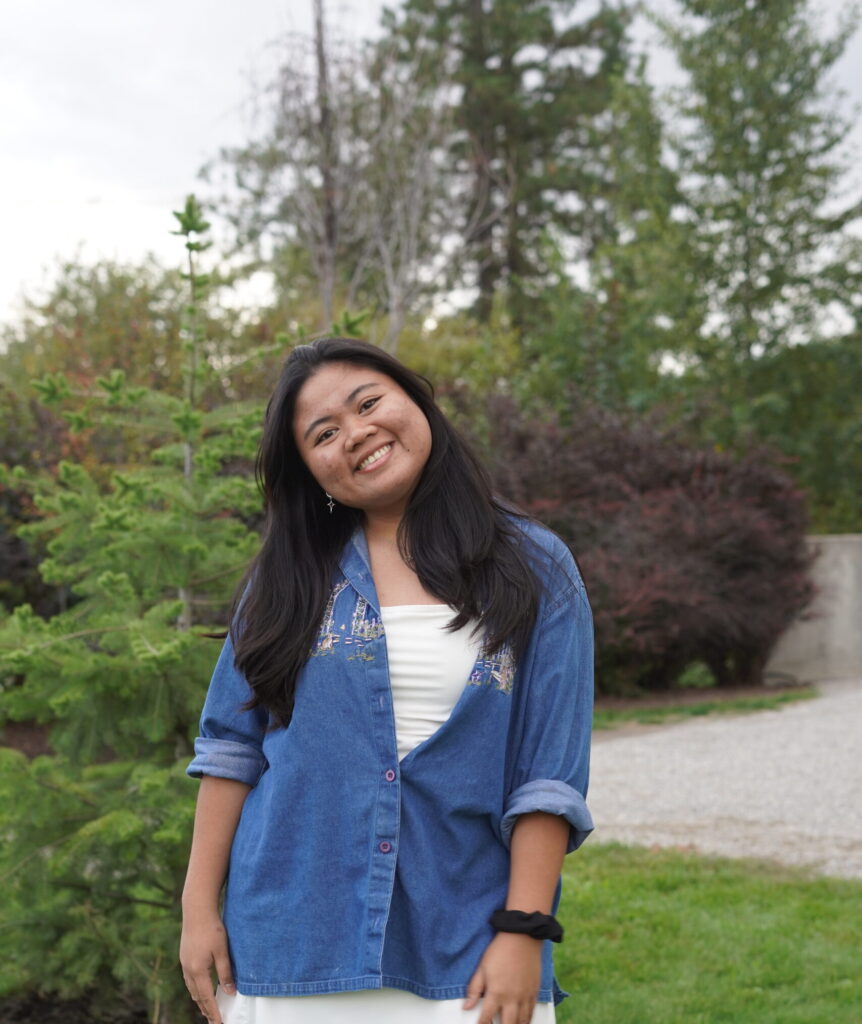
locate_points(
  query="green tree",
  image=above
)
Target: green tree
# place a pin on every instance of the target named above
(763, 159)
(809, 401)
(96, 833)
(97, 318)
(639, 300)
(763, 155)
(531, 87)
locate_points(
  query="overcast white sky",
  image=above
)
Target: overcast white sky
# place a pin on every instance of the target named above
(108, 108)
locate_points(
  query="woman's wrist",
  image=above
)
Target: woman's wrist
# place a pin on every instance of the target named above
(197, 904)
(534, 925)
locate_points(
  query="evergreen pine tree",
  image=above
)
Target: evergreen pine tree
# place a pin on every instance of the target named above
(531, 87)
(96, 832)
(640, 298)
(762, 157)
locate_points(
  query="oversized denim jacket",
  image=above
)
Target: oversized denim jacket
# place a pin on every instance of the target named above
(352, 870)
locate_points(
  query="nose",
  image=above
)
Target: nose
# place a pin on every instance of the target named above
(357, 431)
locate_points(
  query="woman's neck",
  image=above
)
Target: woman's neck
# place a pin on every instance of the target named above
(396, 582)
(381, 529)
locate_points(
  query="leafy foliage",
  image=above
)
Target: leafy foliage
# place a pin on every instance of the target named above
(763, 156)
(96, 833)
(340, 192)
(808, 403)
(689, 556)
(643, 299)
(532, 85)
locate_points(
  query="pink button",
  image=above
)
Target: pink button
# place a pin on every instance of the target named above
(390, 776)
(385, 847)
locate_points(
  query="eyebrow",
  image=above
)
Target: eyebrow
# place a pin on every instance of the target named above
(347, 401)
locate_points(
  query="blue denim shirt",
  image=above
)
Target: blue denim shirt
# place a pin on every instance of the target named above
(352, 870)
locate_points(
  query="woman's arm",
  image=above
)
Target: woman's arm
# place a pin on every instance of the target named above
(509, 974)
(204, 940)
(538, 848)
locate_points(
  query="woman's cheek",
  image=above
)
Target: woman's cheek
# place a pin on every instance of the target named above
(337, 475)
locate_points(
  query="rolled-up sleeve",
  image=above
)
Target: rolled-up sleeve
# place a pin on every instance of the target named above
(552, 748)
(230, 744)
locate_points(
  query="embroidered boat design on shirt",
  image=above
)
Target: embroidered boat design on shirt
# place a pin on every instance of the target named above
(365, 626)
(328, 636)
(497, 670)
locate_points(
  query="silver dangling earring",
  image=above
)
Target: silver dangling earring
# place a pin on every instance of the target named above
(330, 503)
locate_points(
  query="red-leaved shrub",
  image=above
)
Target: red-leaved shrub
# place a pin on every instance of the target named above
(688, 555)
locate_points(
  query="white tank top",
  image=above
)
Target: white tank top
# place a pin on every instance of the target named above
(428, 667)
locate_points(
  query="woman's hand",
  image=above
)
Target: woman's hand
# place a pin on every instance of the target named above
(203, 946)
(507, 979)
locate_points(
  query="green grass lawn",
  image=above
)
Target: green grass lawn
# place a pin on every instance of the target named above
(662, 937)
(610, 718)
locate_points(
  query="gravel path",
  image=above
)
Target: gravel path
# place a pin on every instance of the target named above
(784, 785)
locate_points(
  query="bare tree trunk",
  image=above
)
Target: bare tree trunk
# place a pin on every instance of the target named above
(328, 161)
(397, 316)
(184, 621)
(480, 241)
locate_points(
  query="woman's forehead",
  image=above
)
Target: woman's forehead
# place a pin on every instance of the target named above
(335, 381)
(333, 386)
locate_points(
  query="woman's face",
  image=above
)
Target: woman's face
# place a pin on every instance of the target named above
(364, 440)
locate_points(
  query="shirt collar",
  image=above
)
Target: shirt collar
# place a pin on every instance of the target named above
(355, 563)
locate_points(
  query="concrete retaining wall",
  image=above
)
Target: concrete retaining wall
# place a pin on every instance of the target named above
(827, 642)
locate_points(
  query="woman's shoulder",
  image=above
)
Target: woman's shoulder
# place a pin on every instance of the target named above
(549, 556)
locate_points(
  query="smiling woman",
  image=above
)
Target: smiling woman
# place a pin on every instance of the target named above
(365, 441)
(394, 747)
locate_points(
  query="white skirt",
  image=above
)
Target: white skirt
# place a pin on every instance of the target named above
(367, 1006)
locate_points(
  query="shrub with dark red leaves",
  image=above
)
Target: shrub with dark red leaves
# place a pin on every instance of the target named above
(688, 556)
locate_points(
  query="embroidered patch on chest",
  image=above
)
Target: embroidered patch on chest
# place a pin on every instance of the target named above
(364, 626)
(497, 670)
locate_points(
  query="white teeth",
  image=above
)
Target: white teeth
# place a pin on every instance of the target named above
(374, 456)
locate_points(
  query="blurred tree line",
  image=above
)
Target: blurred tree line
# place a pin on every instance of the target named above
(643, 307)
(501, 190)
(505, 170)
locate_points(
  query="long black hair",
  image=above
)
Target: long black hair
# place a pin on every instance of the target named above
(455, 534)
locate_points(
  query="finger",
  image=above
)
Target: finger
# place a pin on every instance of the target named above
(490, 1008)
(475, 988)
(224, 971)
(206, 999)
(209, 1008)
(192, 986)
(510, 1013)
(523, 1013)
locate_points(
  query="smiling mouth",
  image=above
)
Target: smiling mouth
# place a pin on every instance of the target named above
(375, 456)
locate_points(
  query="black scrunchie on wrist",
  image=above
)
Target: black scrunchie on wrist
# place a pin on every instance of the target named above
(536, 925)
